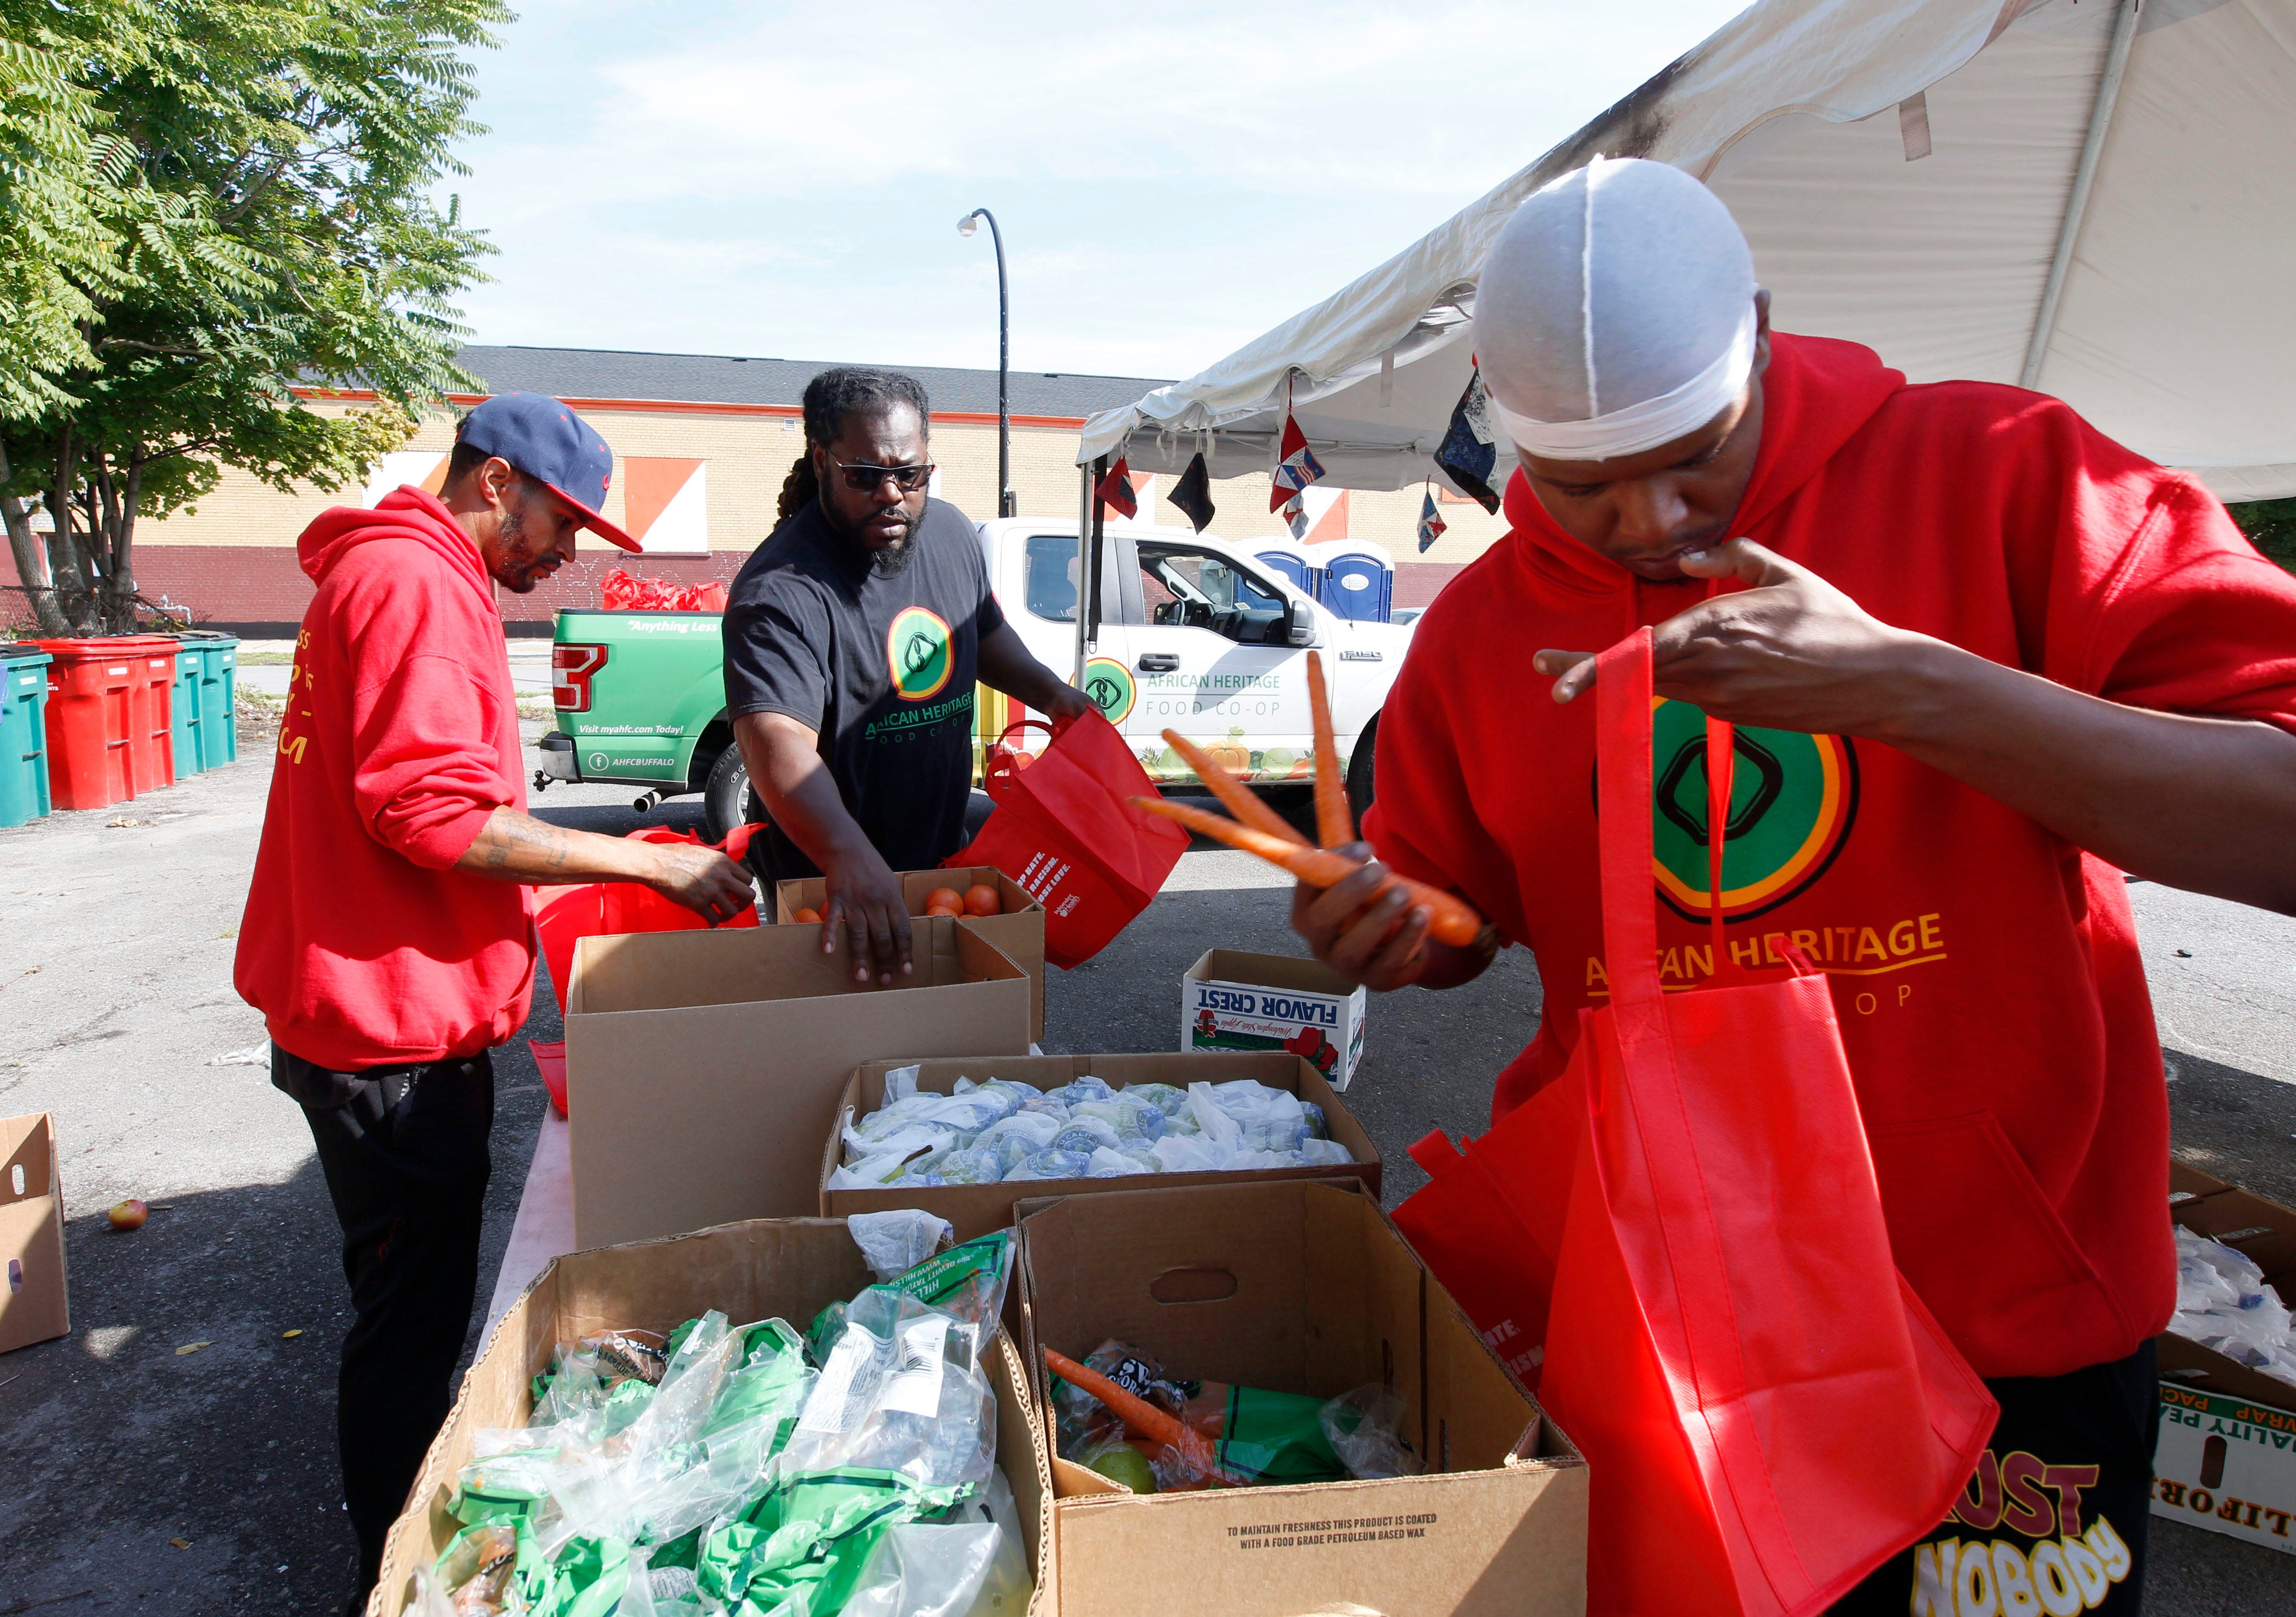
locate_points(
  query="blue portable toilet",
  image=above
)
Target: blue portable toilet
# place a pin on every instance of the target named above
(1298, 568)
(1359, 583)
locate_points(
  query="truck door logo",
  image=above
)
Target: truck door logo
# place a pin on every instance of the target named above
(1111, 686)
(918, 654)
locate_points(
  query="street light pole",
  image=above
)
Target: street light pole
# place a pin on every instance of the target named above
(1007, 505)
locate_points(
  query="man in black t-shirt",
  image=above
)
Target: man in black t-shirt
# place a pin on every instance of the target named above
(854, 638)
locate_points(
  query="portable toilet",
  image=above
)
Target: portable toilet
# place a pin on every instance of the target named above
(1291, 559)
(1358, 580)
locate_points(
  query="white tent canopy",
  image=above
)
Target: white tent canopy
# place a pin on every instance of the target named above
(2096, 198)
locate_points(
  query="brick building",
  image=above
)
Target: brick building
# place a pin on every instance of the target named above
(701, 444)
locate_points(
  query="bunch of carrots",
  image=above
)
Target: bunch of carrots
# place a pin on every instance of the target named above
(1257, 829)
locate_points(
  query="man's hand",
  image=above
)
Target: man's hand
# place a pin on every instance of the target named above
(1790, 653)
(866, 901)
(1065, 701)
(702, 879)
(1376, 938)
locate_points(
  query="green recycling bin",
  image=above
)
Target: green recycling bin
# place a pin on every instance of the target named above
(183, 712)
(23, 733)
(218, 687)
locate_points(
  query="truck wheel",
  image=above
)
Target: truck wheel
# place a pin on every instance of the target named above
(1359, 770)
(727, 800)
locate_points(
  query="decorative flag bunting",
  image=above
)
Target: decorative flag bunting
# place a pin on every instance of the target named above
(1295, 517)
(1115, 490)
(1193, 494)
(1298, 469)
(1431, 522)
(1469, 448)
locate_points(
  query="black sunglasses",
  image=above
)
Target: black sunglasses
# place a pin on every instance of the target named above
(867, 479)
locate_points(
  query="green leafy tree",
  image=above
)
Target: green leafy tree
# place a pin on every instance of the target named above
(256, 180)
(2270, 526)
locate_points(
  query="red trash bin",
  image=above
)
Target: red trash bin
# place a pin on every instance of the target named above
(101, 718)
(151, 710)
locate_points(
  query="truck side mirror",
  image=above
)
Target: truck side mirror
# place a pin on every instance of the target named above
(1298, 625)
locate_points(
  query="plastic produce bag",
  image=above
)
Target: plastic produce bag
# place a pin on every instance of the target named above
(2224, 1302)
(894, 1243)
(1365, 1428)
(1052, 1165)
(1257, 1435)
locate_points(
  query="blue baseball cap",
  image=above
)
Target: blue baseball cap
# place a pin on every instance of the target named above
(542, 437)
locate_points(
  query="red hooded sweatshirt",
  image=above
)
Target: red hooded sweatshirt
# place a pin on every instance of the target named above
(1985, 970)
(361, 946)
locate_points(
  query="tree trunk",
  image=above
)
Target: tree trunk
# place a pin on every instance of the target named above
(31, 561)
(122, 518)
(74, 594)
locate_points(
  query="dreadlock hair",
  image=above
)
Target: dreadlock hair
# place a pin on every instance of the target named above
(829, 398)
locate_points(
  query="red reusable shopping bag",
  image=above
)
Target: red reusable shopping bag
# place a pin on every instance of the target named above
(1768, 1410)
(1062, 830)
(597, 909)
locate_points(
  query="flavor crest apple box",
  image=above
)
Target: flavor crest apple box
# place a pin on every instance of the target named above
(1234, 1000)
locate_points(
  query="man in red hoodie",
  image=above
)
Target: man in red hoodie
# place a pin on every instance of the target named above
(1983, 660)
(387, 940)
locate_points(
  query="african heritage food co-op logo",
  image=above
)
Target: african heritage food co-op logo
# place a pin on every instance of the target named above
(1792, 798)
(918, 653)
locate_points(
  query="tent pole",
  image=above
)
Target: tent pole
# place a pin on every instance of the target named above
(1084, 536)
(2100, 119)
(1090, 612)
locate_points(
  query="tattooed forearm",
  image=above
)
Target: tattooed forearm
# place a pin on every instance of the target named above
(519, 848)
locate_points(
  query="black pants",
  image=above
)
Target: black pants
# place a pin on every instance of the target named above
(404, 1152)
(2054, 1520)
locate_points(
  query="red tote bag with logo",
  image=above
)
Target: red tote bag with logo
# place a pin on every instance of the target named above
(1767, 1409)
(1062, 830)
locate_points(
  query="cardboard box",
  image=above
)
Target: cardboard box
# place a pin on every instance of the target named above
(2226, 1464)
(703, 1068)
(2226, 1455)
(2263, 1230)
(976, 1209)
(789, 1269)
(1232, 1000)
(1298, 1288)
(33, 1306)
(1019, 931)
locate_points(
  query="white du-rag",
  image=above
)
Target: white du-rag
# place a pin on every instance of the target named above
(1615, 312)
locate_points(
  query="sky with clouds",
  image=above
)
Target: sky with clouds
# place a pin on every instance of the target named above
(785, 180)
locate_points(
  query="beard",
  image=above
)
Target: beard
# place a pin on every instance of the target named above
(885, 561)
(518, 563)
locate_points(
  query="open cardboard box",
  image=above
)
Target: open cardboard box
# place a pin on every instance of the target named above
(2227, 1455)
(703, 1068)
(33, 1302)
(2263, 1230)
(789, 1269)
(1018, 930)
(975, 1210)
(1298, 1288)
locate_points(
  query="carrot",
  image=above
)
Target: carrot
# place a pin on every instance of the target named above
(1451, 920)
(1239, 799)
(1335, 826)
(1143, 1417)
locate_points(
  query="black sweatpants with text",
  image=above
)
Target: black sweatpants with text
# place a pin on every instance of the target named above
(404, 1153)
(2054, 1520)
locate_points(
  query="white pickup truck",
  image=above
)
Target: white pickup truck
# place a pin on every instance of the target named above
(1196, 634)
(1199, 636)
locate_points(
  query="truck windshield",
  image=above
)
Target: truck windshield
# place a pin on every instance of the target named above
(1049, 579)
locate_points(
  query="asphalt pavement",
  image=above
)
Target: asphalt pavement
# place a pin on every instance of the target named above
(175, 1452)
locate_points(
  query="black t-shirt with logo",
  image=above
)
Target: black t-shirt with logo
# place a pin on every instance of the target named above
(883, 667)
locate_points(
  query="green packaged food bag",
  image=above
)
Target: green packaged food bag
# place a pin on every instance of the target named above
(586, 1579)
(506, 1487)
(812, 1532)
(967, 1281)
